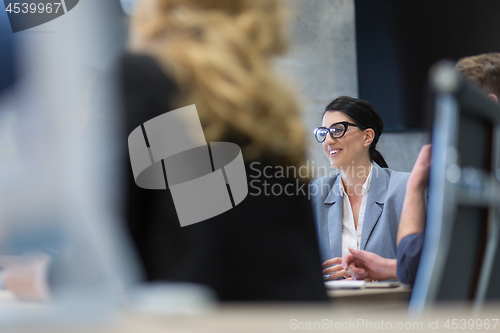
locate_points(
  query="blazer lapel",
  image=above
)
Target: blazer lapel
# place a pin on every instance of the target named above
(374, 203)
(334, 200)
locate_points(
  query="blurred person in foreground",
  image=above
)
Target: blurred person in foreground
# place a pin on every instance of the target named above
(217, 55)
(483, 70)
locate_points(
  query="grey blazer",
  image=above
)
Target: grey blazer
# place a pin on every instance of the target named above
(383, 211)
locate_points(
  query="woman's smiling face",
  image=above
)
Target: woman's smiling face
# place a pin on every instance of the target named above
(349, 150)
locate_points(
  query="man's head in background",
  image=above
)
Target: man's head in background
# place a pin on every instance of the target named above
(484, 70)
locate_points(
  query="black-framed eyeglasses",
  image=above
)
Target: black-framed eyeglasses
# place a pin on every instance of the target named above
(336, 131)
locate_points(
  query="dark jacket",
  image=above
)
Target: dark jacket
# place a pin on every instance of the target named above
(263, 249)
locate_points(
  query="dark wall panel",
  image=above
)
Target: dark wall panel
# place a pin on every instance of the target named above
(398, 41)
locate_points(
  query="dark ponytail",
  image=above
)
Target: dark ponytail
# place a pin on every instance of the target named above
(363, 114)
(377, 157)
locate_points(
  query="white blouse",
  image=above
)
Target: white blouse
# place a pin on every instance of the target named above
(351, 236)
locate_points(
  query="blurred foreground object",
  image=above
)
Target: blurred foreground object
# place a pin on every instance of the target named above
(218, 56)
(461, 254)
(61, 195)
(26, 276)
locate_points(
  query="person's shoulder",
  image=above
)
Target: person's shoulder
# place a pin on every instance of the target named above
(321, 187)
(138, 70)
(146, 90)
(396, 181)
(396, 177)
(325, 180)
(396, 184)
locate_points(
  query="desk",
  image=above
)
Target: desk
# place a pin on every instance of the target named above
(286, 317)
(253, 318)
(371, 294)
(384, 298)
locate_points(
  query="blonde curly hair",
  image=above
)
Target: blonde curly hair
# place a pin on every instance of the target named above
(218, 52)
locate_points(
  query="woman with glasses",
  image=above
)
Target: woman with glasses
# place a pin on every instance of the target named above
(359, 207)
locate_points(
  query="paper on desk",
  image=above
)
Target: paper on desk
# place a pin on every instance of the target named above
(345, 284)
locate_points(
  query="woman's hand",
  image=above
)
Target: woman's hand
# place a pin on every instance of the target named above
(333, 269)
